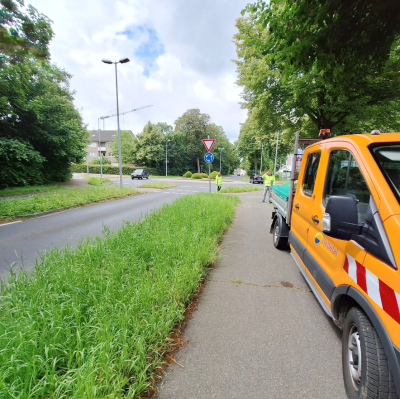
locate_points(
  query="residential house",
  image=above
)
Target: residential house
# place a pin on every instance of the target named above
(97, 147)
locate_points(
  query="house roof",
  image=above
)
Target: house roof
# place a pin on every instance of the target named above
(105, 135)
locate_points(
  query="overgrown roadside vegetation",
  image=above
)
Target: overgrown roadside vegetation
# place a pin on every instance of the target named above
(59, 198)
(157, 185)
(94, 322)
(241, 189)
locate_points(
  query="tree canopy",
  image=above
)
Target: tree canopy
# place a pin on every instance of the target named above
(41, 132)
(24, 31)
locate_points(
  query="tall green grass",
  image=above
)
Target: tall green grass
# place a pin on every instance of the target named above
(241, 189)
(93, 322)
(59, 198)
(161, 185)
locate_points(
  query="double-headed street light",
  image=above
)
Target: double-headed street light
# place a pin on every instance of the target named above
(166, 158)
(122, 61)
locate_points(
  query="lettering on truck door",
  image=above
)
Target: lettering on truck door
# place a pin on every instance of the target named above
(303, 203)
(327, 258)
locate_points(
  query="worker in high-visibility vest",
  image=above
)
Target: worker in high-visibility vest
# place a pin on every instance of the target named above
(268, 181)
(218, 181)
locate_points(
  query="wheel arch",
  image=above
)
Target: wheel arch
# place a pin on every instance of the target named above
(283, 227)
(343, 299)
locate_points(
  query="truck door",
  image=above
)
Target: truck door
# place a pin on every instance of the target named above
(327, 257)
(303, 201)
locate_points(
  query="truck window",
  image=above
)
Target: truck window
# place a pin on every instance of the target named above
(344, 178)
(387, 157)
(310, 173)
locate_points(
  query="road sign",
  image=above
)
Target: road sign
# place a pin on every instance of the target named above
(209, 157)
(208, 143)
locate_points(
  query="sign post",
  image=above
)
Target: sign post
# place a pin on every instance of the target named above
(209, 157)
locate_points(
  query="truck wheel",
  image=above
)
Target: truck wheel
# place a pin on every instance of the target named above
(279, 242)
(366, 370)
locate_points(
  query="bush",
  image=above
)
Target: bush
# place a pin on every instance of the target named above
(196, 176)
(96, 161)
(204, 175)
(214, 174)
(188, 174)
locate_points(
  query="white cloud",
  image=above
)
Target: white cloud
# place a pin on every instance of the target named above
(180, 55)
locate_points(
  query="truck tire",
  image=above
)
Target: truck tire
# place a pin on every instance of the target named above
(279, 242)
(366, 371)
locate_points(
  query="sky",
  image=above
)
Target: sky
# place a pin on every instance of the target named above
(180, 55)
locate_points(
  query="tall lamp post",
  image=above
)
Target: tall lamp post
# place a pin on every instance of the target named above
(262, 150)
(122, 61)
(220, 158)
(101, 155)
(166, 158)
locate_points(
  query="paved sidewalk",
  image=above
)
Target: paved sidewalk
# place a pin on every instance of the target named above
(251, 337)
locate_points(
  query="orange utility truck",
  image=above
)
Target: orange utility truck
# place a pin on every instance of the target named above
(340, 214)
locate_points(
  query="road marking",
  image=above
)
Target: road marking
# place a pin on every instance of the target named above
(5, 224)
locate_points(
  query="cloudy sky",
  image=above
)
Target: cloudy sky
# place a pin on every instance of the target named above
(180, 55)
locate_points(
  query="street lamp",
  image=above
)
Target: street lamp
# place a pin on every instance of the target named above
(122, 61)
(220, 158)
(166, 158)
(101, 155)
(262, 149)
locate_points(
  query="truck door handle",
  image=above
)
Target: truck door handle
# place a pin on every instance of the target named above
(315, 220)
(297, 206)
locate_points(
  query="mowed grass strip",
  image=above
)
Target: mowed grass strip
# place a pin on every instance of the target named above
(157, 185)
(93, 322)
(241, 189)
(28, 190)
(12, 207)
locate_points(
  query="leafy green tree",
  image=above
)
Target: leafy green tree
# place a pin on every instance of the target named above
(150, 148)
(21, 165)
(23, 32)
(195, 126)
(36, 108)
(309, 97)
(128, 141)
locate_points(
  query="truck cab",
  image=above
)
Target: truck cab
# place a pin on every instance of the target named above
(344, 235)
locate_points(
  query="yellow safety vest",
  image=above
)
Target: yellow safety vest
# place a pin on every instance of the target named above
(218, 180)
(268, 179)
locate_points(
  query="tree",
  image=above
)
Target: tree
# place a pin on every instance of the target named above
(21, 165)
(332, 34)
(309, 97)
(36, 109)
(150, 148)
(23, 32)
(128, 141)
(194, 125)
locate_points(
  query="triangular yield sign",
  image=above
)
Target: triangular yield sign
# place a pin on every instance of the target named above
(208, 143)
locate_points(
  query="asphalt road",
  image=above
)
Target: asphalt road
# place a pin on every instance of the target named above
(24, 241)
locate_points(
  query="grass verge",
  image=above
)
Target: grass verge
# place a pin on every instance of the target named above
(28, 190)
(157, 185)
(241, 189)
(94, 322)
(99, 181)
(62, 197)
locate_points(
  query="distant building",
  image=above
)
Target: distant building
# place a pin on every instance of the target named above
(95, 147)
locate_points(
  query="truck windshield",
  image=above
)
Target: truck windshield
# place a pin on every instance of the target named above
(387, 156)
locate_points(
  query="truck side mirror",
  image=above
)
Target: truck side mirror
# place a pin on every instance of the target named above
(340, 219)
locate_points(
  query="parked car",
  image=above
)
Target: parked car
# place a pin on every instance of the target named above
(256, 178)
(140, 174)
